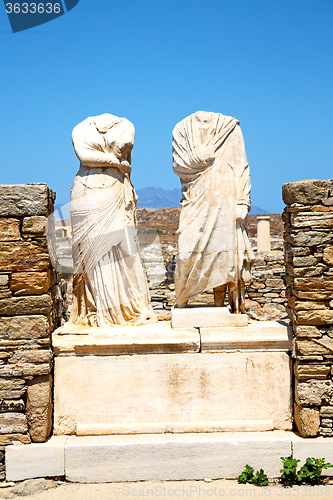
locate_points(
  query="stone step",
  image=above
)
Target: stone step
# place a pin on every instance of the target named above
(157, 456)
(219, 455)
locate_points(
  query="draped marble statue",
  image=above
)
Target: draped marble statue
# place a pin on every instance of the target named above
(214, 251)
(109, 284)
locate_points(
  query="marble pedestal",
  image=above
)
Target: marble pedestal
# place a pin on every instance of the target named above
(155, 379)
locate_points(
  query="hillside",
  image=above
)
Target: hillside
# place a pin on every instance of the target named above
(166, 220)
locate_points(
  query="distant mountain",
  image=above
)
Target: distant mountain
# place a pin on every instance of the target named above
(256, 211)
(149, 197)
(153, 197)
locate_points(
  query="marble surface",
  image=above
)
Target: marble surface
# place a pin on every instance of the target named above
(198, 317)
(214, 251)
(177, 392)
(109, 283)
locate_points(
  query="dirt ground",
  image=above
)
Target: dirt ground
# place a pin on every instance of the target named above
(194, 490)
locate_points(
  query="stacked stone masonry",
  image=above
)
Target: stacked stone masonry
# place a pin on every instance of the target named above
(266, 290)
(308, 223)
(31, 307)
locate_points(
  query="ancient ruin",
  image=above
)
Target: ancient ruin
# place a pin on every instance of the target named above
(160, 400)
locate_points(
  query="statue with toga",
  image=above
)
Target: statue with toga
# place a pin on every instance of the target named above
(214, 251)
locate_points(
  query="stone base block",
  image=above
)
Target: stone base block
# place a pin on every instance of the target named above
(198, 317)
(189, 392)
(257, 336)
(173, 457)
(36, 460)
(161, 456)
(319, 447)
(80, 340)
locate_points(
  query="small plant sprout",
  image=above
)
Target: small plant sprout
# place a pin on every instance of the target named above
(311, 471)
(248, 476)
(288, 471)
(260, 478)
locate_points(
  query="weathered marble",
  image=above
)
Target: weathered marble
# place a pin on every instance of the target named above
(186, 392)
(213, 248)
(257, 336)
(79, 340)
(109, 284)
(263, 234)
(197, 317)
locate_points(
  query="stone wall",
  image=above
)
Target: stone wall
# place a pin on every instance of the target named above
(265, 294)
(266, 291)
(308, 221)
(31, 307)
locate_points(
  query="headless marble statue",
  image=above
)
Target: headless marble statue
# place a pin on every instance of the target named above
(109, 284)
(214, 251)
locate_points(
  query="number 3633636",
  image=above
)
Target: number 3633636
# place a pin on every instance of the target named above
(33, 8)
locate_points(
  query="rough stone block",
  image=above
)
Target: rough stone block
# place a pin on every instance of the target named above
(15, 405)
(34, 225)
(35, 356)
(305, 261)
(30, 283)
(25, 370)
(311, 371)
(275, 283)
(23, 199)
(14, 383)
(305, 272)
(11, 393)
(314, 393)
(24, 327)
(39, 408)
(7, 439)
(307, 331)
(307, 421)
(326, 411)
(5, 293)
(304, 305)
(32, 304)
(313, 295)
(11, 423)
(36, 460)
(325, 431)
(309, 347)
(326, 422)
(309, 238)
(314, 283)
(307, 192)
(9, 229)
(25, 256)
(314, 317)
(328, 255)
(4, 279)
(320, 220)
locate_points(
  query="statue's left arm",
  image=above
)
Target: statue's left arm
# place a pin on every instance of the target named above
(242, 174)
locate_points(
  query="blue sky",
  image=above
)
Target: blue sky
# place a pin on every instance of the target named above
(268, 63)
